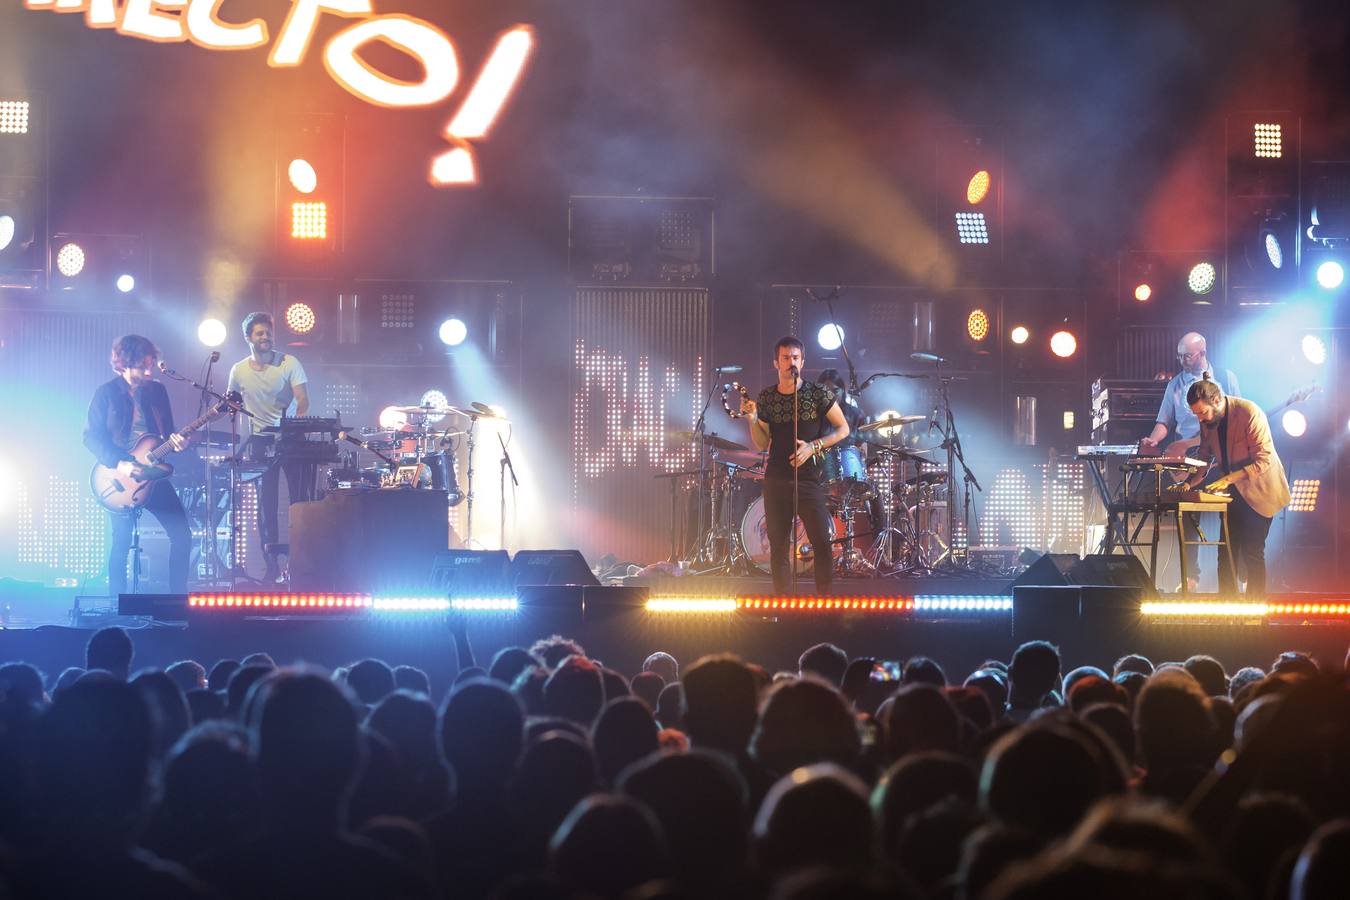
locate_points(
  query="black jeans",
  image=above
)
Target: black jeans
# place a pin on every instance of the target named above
(815, 517)
(1247, 530)
(164, 505)
(299, 485)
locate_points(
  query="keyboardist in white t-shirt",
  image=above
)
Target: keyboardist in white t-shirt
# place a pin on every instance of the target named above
(270, 381)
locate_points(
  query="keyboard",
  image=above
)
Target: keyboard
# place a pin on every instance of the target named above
(1199, 497)
(1166, 462)
(1112, 451)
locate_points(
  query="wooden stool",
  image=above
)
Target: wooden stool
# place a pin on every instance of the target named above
(1186, 507)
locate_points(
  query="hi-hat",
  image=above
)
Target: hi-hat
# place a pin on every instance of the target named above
(890, 422)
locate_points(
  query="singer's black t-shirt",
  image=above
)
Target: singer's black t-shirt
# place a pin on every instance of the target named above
(775, 410)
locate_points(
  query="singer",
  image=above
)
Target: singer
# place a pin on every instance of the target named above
(796, 422)
(122, 412)
(269, 381)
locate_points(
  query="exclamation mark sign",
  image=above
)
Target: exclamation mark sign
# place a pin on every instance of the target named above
(493, 87)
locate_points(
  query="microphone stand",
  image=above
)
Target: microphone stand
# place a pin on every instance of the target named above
(828, 300)
(951, 441)
(505, 464)
(700, 431)
(792, 459)
(208, 549)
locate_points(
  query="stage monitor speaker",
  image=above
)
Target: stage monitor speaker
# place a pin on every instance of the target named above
(1113, 570)
(472, 573)
(160, 607)
(534, 567)
(1051, 570)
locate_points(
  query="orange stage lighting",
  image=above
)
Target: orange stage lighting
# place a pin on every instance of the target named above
(300, 318)
(309, 220)
(978, 187)
(977, 325)
(1142, 292)
(1063, 344)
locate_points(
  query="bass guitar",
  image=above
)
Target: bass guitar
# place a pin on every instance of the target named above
(120, 493)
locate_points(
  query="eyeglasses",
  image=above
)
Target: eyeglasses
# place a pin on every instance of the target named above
(1191, 354)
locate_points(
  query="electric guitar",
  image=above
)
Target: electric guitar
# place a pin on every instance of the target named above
(1183, 447)
(119, 493)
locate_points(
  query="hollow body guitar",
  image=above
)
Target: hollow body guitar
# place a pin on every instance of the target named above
(121, 493)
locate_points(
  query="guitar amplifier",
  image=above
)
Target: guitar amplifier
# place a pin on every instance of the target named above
(1124, 410)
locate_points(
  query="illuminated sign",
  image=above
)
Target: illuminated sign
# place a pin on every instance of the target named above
(199, 21)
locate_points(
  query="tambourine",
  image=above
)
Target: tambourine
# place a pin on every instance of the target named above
(735, 412)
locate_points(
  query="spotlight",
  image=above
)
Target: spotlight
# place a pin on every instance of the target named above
(13, 116)
(70, 260)
(1267, 140)
(1142, 292)
(300, 318)
(1330, 274)
(1202, 278)
(1063, 344)
(1294, 422)
(977, 325)
(971, 228)
(830, 336)
(211, 332)
(436, 398)
(1274, 252)
(1019, 334)
(302, 175)
(309, 220)
(126, 283)
(6, 231)
(391, 419)
(978, 188)
(1068, 420)
(1303, 494)
(453, 332)
(1314, 349)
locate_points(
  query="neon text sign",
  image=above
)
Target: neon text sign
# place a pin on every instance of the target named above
(199, 21)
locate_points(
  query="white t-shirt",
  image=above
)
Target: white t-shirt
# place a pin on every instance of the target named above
(269, 393)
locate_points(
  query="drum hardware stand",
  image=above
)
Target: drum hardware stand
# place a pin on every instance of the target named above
(135, 514)
(706, 535)
(722, 532)
(505, 464)
(951, 442)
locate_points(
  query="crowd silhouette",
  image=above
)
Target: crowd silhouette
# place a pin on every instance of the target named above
(550, 775)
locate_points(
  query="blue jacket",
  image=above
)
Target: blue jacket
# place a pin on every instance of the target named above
(107, 433)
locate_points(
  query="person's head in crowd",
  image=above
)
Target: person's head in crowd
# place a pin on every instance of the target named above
(218, 679)
(972, 704)
(923, 670)
(556, 771)
(188, 674)
(608, 845)
(720, 703)
(382, 787)
(1247, 675)
(1115, 722)
(259, 659)
(824, 883)
(646, 686)
(1133, 662)
(670, 706)
(1225, 720)
(615, 685)
(68, 676)
(663, 664)
(1293, 662)
(529, 689)
(1209, 672)
(237, 691)
(1262, 836)
(509, 662)
(1132, 683)
(482, 726)
(1040, 778)
(624, 733)
(553, 649)
(993, 683)
(1078, 674)
(988, 852)
(469, 673)
(826, 661)
(1033, 674)
(205, 705)
(407, 719)
(702, 803)
(928, 847)
(407, 840)
(110, 649)
(916, 783)
(1103, 873)
(672, 740)
(309, 747)
(919, 717)
(1322, 868)
(92, 765)
(1146, 827)
(802, 722)
(210, 788)
(1254, 718)
(814, 816)
(1093, 689)
(575, 691)
(21, 684)
(371, 680)
(1175, 732)
(168, 710)
(538, 726)
(411, 678)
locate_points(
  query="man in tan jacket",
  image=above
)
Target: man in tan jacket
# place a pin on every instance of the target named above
(1235, 435)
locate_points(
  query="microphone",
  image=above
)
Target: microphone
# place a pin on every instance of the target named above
(730, 370)
(164, 367)
(927, 357)
(867, 382)
(215, 357)
(794, 371)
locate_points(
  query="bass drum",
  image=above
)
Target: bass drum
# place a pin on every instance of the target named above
(755, 538)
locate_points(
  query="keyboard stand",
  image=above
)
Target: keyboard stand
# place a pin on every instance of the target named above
(1184, 508)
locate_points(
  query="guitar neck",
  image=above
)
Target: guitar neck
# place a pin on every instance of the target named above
(166, 448)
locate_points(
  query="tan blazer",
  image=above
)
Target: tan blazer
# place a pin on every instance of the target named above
(1258, 473)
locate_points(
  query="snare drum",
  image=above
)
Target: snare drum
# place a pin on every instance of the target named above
(755, 539)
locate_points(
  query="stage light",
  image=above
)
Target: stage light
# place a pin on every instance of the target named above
(1143, 292)
(1294, 422)
(1068, 420)
(410, 604)
(963, 603)
(830, 336)
(300, 318)
(1063, 344)
(391, 419)
(309, 220)
(1019, 334)
(971, 228)
(7, 229)
(1274, 252)
(126, 283)
(1267, 140)
(1204, 609)
(453, 332)
(211, 332)
(70, 260)
(978, 187)
(1202, 278)
(691, 605)
(485, 604)
(436, 399)
(13, 116)
(1314, 350)
(302, 175)
(977, 325)
(1330, 274)
(1303, 494)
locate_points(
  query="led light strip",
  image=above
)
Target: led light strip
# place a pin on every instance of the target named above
(963, 602)
(279, 601)
(691, 605)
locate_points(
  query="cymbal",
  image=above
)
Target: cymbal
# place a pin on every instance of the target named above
(891, 422)
(712, 440)
(927, 478)
(481, 411)
(885, 445)
(427, 410)
(748, 458)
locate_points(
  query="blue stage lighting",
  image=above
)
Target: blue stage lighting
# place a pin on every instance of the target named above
(830, 336)
(126, 283)
(453, 332)
(1273, 251)
(1330, 274)
(6, 231)
(1314, 349)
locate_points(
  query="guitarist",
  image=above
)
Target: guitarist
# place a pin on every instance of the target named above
(123, 411)
(1175, 415)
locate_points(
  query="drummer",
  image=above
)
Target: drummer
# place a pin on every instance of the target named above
(851, 452)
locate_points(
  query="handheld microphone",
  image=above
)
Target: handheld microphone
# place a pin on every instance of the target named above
(927, 357)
